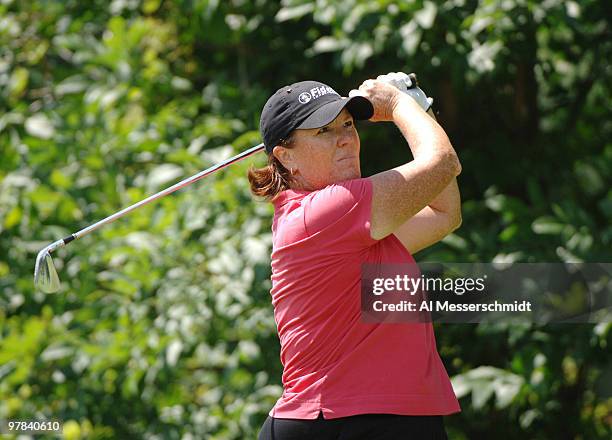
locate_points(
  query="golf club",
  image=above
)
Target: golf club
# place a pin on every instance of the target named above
(45, 275)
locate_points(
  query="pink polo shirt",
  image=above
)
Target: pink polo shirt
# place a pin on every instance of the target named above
(332, 362)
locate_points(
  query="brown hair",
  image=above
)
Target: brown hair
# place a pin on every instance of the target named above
(271, 180)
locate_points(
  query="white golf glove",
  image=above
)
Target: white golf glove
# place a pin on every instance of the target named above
(409, 85)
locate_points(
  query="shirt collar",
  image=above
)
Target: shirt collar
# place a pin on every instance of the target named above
(287, 196)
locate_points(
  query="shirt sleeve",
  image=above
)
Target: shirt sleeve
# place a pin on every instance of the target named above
(341, 212)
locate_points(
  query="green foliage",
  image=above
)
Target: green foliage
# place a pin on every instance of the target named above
(164, 326)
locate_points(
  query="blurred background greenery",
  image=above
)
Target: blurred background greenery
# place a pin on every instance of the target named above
(163, 327)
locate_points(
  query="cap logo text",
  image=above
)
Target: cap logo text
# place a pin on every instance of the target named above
(315, 92)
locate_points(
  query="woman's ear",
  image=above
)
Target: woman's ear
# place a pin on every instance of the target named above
(284, 156)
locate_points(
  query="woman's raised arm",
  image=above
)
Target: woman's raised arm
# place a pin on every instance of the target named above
(402, 192)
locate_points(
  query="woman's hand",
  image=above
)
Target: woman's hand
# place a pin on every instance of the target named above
(383, 96)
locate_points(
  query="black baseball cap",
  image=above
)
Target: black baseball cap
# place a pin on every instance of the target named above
(306, 104)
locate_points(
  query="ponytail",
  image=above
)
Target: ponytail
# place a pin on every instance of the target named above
(271, 180)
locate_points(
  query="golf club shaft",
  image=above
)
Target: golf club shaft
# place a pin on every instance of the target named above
(183, 183)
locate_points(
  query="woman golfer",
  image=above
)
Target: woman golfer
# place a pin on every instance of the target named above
(343, 378)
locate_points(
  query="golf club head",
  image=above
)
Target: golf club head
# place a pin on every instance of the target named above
(45, 275)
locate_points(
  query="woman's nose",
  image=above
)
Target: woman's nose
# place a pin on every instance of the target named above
(344, 139)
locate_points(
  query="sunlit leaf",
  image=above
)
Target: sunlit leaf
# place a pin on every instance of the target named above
(40, 126)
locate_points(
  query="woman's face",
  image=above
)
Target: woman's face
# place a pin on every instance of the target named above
(322, 156)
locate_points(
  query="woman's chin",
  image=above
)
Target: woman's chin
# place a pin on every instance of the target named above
(350, 173)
